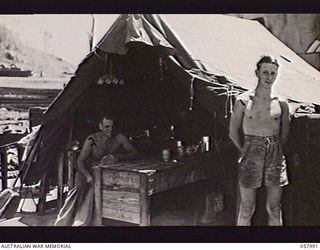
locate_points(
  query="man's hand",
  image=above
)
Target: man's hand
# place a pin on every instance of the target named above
(89, 179)
(109, 159)
(236, 124)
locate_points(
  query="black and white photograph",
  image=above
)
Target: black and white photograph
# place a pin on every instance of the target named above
(160, 120)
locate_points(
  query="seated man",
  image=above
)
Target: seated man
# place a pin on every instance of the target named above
(103, 145)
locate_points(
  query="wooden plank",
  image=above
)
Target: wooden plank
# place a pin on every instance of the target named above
(24, 101)
(121, 205)
(121, 179)
(5, 90)
(169, 179)
(127, 165)
(121, 215)
(97, 205)
(157, 165)
(121, 200)
(174, 178)
(144, 201)
(24, 106)
(22, 96)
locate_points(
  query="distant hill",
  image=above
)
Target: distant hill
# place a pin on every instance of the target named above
(13, 51)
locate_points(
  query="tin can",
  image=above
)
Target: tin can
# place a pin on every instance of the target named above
(166, 154)
(188, 150)
(179, 149)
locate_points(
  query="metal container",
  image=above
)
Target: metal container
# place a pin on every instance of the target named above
(166, 154)
(180, 149)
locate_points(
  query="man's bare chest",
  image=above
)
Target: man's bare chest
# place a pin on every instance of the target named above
(263, 110)
(105, 145)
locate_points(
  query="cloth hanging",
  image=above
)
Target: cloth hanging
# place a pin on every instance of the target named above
(191, 93)
(78, 206)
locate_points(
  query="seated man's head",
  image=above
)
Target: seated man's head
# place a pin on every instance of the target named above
(106, 125)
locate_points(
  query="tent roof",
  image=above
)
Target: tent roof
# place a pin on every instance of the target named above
(230, 46)
(131, 28)
(223, 45)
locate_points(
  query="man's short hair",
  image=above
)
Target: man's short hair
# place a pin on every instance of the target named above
(107, 117)
(267, 59)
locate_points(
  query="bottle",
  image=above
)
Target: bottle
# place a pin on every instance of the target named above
(201, 147)
(172, 144)
(180, 149)
(206, 143)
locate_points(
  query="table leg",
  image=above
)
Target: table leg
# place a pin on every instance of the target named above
(97, 205)
(144, 201)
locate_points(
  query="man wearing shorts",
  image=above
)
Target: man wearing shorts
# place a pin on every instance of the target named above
(259, 127)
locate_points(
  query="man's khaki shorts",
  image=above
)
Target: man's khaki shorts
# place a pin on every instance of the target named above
(262, 162)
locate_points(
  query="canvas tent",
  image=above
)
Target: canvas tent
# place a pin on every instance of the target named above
(167, 66)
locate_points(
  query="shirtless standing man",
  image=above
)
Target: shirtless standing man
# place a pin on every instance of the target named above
(259, 127)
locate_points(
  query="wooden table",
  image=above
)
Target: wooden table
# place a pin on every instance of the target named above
(123, 190)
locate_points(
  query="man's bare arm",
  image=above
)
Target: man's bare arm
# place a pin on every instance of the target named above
(236, 124)
(84, 154)
(285, 122)
(131, 150)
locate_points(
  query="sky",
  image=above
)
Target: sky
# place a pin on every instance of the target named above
(65, 36)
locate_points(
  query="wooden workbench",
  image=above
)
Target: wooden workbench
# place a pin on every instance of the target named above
(123, 190)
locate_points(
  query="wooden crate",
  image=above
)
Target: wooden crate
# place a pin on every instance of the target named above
(121, 196)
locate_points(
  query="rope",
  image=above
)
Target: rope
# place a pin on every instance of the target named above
(100, 57)
(161, 69)
(230, 99)
(191, 93)
(9, 144)
(226, 105)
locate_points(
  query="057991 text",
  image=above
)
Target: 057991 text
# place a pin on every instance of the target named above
(309, 245)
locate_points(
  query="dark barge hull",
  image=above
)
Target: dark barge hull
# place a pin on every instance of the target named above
(15, 73)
